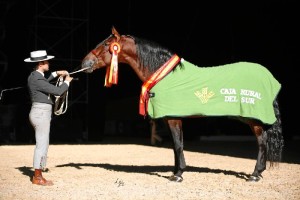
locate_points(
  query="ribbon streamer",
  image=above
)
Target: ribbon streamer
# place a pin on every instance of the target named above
(111, 76)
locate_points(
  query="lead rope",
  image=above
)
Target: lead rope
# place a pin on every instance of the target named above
(61, 102)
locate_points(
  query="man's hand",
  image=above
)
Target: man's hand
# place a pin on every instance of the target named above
(62, 73)
(68, 78)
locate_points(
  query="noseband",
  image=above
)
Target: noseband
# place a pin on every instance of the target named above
(95, 54)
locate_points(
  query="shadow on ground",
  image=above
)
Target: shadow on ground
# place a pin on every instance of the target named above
(241, 149)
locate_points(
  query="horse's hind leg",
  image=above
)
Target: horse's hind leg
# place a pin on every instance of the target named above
(156, 140)
(177, 137)
(261, 137)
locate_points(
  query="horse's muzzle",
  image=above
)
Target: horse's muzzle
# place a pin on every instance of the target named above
(89, 65)
(89, 70)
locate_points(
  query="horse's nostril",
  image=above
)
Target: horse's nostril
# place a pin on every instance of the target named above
(86, 64)
(87, 67)
(90, 63)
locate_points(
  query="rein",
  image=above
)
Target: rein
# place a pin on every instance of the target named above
(61, 102)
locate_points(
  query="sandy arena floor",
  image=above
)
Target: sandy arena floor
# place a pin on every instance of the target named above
(114, 170)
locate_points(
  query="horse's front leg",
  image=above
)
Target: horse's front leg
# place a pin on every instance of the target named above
(261, 161)
(177, 138)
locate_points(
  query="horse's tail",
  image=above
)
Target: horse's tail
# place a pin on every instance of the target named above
(275, 140)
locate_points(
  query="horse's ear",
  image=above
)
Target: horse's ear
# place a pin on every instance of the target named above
(115, 33)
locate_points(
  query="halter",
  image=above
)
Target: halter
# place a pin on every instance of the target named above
(111, 76)
(95, 54)
(101, 43)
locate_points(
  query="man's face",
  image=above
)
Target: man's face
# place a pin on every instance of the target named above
(44, 65)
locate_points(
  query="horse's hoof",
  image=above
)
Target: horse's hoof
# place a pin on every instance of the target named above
(253, 179)
(175, 178)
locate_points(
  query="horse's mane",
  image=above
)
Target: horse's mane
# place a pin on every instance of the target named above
(150, 54)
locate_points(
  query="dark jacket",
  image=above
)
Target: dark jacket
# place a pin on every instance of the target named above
(40, 88)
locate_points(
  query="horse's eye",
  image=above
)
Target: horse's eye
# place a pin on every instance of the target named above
(106, 44)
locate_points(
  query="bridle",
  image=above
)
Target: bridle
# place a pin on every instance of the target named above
(97, 55)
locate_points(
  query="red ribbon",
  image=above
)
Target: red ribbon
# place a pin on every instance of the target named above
(155, 78)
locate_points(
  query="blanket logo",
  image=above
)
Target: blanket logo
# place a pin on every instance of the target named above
(246, 96)
(230, 95)
(204, 95)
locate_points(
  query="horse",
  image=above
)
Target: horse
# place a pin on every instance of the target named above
(155, 66)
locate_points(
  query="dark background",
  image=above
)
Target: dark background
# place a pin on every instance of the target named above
(206, 34)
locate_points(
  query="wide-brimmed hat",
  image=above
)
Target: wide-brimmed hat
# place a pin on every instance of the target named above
(37, 56)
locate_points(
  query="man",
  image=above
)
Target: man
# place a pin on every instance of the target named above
(40, 114)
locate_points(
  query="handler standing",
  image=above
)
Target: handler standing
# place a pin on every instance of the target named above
(40, 114)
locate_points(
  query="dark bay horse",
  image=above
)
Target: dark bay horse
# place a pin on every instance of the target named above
(153, 64)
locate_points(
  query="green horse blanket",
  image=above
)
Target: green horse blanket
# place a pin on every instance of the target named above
(241, 89)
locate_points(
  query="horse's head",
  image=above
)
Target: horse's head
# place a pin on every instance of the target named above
(101, 55)
(144, 57)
